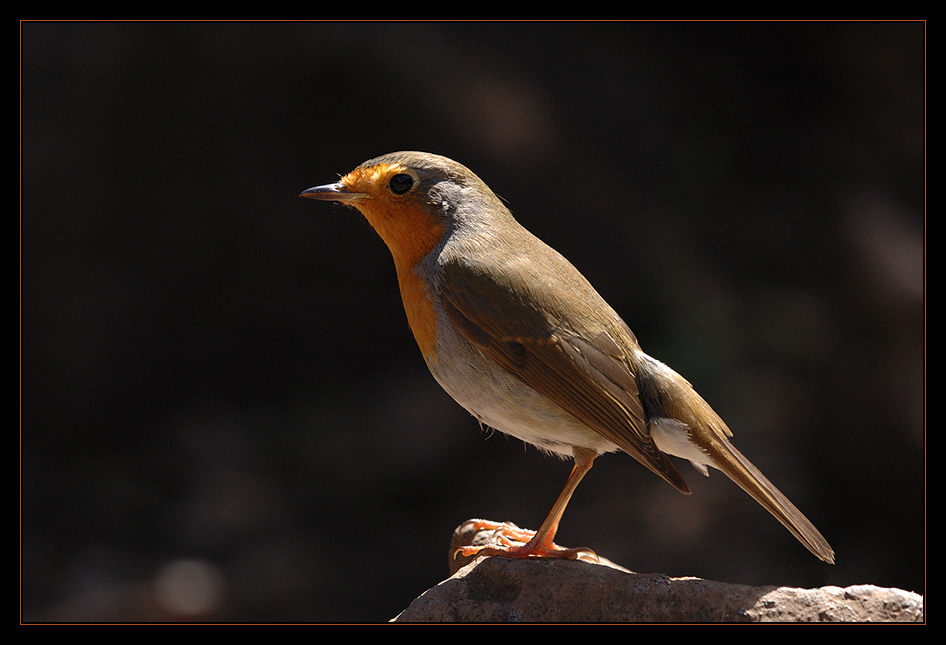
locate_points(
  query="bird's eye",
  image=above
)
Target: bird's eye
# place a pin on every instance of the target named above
(401, 183)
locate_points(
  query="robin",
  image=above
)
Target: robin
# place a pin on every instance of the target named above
(518, 337)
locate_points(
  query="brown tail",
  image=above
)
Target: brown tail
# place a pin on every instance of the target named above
(739, 469)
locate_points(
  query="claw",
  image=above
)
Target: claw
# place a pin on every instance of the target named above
(510, 541)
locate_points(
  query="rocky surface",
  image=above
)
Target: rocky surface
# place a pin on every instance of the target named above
(506, 590)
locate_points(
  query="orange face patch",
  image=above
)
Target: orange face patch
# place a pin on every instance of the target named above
(410, 229)
(405, 223)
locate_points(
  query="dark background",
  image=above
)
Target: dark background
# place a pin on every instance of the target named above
(218, 381)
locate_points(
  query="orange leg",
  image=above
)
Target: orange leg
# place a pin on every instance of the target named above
(520, 543)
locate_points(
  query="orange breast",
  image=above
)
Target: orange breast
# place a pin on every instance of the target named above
(420, 313)
(410, 231)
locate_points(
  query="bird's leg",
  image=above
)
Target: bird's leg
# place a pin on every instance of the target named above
(520, 543)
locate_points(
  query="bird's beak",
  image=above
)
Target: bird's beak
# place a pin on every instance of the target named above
(338, 192)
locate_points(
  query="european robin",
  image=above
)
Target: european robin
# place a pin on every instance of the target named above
(518, 337)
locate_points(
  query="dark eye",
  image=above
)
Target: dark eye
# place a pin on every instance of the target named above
(400, 183)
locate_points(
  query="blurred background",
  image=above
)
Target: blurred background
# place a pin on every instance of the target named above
(224, 416)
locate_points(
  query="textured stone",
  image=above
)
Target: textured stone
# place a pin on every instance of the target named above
(541, 590)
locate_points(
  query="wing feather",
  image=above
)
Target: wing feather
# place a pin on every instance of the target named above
(587, 372)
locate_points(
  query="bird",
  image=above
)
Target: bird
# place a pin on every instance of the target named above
(518, 337)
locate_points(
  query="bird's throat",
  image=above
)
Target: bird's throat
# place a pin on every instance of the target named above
(410, 234)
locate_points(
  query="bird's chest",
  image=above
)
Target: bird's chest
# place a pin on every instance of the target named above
(421, 312)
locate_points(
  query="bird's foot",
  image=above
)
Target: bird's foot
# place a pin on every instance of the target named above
(510, 541)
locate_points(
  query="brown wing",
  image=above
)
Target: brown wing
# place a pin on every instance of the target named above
(568, 354)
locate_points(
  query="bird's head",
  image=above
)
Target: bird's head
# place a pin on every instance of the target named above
(414, 199)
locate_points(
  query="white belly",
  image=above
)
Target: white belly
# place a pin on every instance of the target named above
(503, 402)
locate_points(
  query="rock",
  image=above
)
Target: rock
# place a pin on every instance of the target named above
(541, 590)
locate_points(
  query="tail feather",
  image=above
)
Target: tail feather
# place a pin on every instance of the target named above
(683, 424)
(739, 469)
